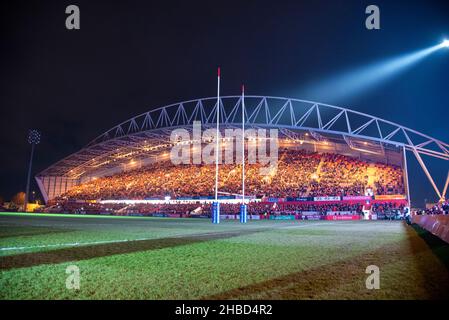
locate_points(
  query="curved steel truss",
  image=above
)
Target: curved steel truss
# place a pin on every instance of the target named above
(149, 133)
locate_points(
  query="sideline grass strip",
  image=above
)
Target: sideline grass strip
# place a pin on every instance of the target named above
(26, 214)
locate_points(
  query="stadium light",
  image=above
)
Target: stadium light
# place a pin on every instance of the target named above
(34, 137)
(445, 43)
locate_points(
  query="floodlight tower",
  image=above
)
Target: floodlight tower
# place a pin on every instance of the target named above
(34, 137)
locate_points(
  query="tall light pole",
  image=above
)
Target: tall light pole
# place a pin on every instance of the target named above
(34, 137)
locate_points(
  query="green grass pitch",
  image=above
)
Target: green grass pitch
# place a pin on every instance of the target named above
(166, 258)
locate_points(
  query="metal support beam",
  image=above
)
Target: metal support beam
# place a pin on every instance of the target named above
(443, 195)
(429, 176)
(406, 177)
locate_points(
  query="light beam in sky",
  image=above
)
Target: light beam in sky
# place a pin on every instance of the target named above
(354, 82)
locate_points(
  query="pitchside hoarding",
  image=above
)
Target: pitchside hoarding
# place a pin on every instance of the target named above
(237, 216)
(357, 198)
(327, 198)
(343, 217)
(288, 217)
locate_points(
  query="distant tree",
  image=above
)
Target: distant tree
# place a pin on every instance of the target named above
(18, 198)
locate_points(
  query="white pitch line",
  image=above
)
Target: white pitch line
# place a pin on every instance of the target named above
(77, 244)
(74, 244)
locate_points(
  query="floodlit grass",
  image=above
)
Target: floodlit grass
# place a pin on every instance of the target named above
(152, 258)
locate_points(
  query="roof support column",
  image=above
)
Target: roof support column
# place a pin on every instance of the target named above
(443, 195)
(406, 176)
(423, 166)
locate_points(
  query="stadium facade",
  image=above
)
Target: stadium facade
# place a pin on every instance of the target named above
(301, 124)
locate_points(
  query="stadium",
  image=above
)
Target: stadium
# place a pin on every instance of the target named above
(334, 208)
(121, 204)
(329, 183)
(332, 161)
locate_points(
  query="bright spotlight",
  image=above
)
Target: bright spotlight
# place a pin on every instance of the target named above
(445, 43)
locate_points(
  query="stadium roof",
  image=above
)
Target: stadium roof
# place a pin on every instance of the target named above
(148, 134)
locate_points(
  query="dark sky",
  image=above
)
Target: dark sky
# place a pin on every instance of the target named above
(132, 56)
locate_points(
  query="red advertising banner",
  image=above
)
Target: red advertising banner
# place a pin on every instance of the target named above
(327, 198)
(343, 217)
(357, 198)
(390, 197)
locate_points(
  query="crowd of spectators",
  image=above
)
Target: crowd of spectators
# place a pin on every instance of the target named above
(341, 175)
(439, 208)
(298, 174)
(388, 207)
(388, 179)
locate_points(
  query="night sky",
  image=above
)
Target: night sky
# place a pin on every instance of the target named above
(132, 56)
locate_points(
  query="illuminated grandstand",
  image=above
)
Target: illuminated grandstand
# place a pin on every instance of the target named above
(299, 174)
(325, 151)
